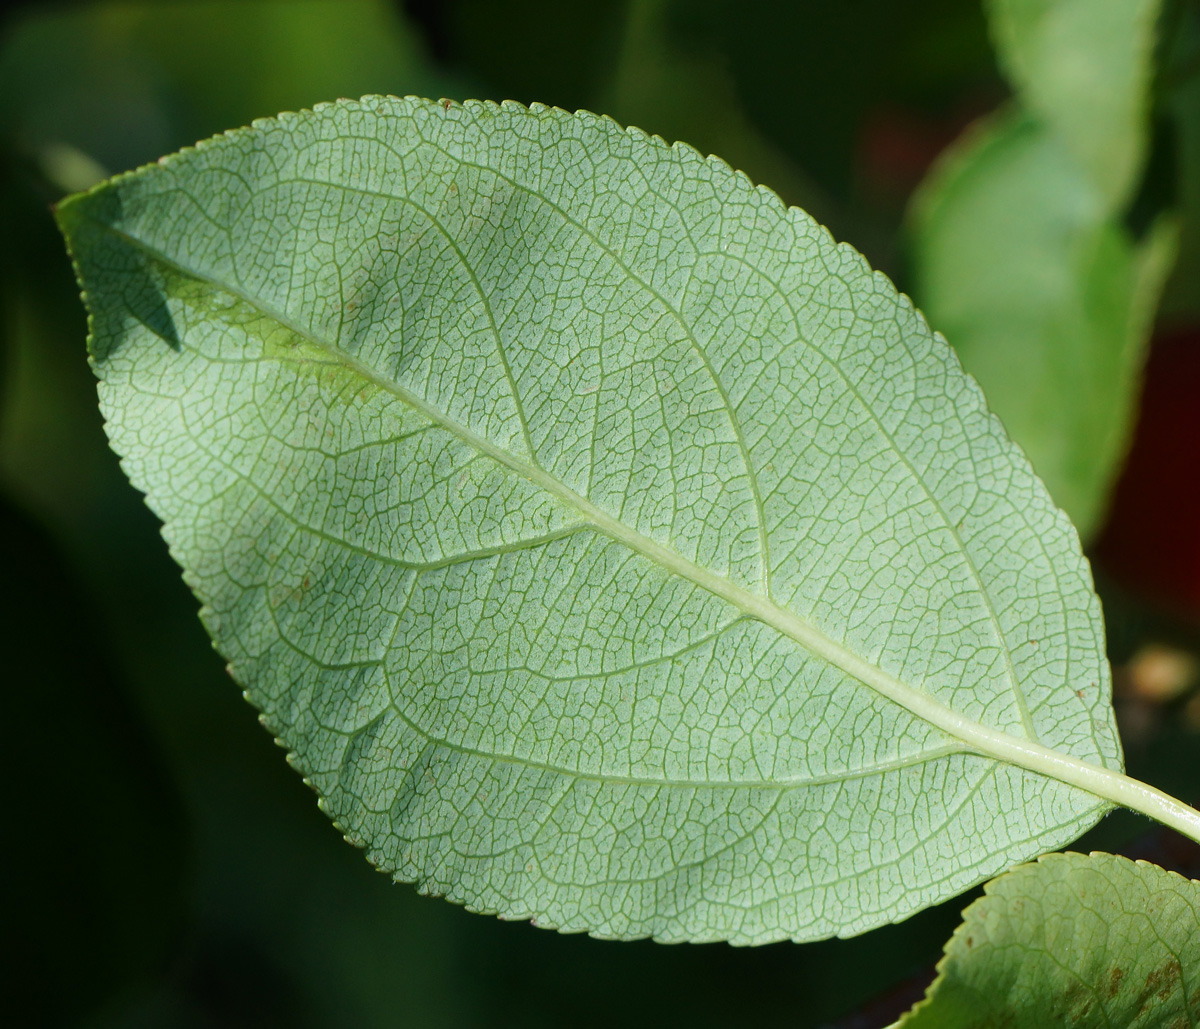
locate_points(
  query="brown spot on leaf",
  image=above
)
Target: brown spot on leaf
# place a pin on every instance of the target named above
(1164, 980)
(1112, 982)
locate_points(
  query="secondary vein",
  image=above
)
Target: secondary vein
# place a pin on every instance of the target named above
(985, 740)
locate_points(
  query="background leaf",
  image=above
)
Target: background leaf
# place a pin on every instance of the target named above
(1071, 940)
(558, 496)
(1084, 71)
(1021, 256)
(117, 79)
(1046, 299)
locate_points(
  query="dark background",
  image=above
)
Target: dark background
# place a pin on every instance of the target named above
(163, 866)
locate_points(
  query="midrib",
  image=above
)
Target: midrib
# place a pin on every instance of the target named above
(984, 740)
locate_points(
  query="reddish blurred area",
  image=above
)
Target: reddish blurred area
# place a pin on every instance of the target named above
(897, 145)
(1151, 542)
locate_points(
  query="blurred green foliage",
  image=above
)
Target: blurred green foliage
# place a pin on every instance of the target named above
(167, 867)
(1022, 254)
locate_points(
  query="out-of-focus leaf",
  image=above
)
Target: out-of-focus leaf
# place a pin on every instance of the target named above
(1044, 296)
(1084, 68)
(1088, 942)
(123, 81)
(1020, 253)
(610, 547)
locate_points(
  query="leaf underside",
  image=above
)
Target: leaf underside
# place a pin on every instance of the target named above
(518, 460)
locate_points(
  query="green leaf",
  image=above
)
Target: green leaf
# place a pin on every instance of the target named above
(1045, 298)
(1084, 69)
(608, 546)
(1072, 940)
(1020, 251)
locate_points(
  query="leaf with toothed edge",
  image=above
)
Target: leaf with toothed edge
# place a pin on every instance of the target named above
(1091, 942)
(609, 547)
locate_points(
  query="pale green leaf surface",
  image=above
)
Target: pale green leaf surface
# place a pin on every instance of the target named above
(1084, 68)
(1098, 941)
(1045, 298)
(541, 482)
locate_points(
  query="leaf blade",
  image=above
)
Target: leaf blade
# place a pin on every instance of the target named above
(1089, 941)
(591, 764)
